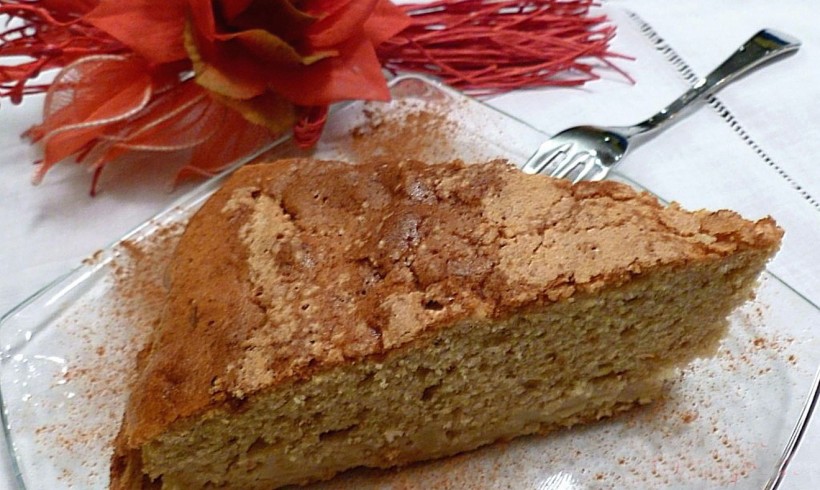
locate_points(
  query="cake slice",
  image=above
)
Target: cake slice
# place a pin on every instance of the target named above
(323, 316)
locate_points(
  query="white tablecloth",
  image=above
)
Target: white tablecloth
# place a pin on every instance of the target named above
(752, 150)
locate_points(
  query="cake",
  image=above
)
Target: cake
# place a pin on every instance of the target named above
(323, 316)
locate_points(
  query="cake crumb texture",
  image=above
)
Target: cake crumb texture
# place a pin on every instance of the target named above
(471, 301)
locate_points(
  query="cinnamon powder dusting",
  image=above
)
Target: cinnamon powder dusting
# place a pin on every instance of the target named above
(107, 332)
(421, 133)
(102, 378)
(112, 329)
(403, 129)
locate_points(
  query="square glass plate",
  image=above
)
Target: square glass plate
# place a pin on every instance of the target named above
(66, 353)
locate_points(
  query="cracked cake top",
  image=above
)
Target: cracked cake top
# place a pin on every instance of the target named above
(299, 265)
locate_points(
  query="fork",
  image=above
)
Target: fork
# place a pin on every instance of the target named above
(590, 152)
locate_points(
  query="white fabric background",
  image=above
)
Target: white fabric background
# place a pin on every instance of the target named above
(702, 162)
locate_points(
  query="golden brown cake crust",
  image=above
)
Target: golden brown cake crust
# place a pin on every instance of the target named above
(300, 265)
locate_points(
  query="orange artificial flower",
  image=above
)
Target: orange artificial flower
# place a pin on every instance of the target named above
(263, 58)
(219, 77)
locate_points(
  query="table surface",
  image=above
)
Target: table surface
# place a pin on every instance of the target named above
(767, 125)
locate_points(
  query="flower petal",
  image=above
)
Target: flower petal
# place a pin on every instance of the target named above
(340, 25)
(355, 74)
(202, 16)
(270, 48)
(71, 7)
(230, 9)
(172, 121)
(102, 92)
(323, 8)
(225, 70)
(276, 16)
(234, 139)
(386, 21)
(269, 110)
(154, 33)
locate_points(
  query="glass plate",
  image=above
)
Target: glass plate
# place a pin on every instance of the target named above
(67, 352)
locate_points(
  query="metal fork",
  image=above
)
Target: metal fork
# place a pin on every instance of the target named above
(590, 152)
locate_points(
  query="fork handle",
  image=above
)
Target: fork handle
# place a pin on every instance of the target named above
(764, 46)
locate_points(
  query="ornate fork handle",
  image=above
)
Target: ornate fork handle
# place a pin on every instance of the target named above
(762, 47)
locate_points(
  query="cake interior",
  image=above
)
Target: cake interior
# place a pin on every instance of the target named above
(458, 388)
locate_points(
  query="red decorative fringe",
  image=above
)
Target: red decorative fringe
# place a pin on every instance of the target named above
(53, 34)
(488, 46)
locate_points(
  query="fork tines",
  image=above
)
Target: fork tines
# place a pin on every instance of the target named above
(562, 163)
